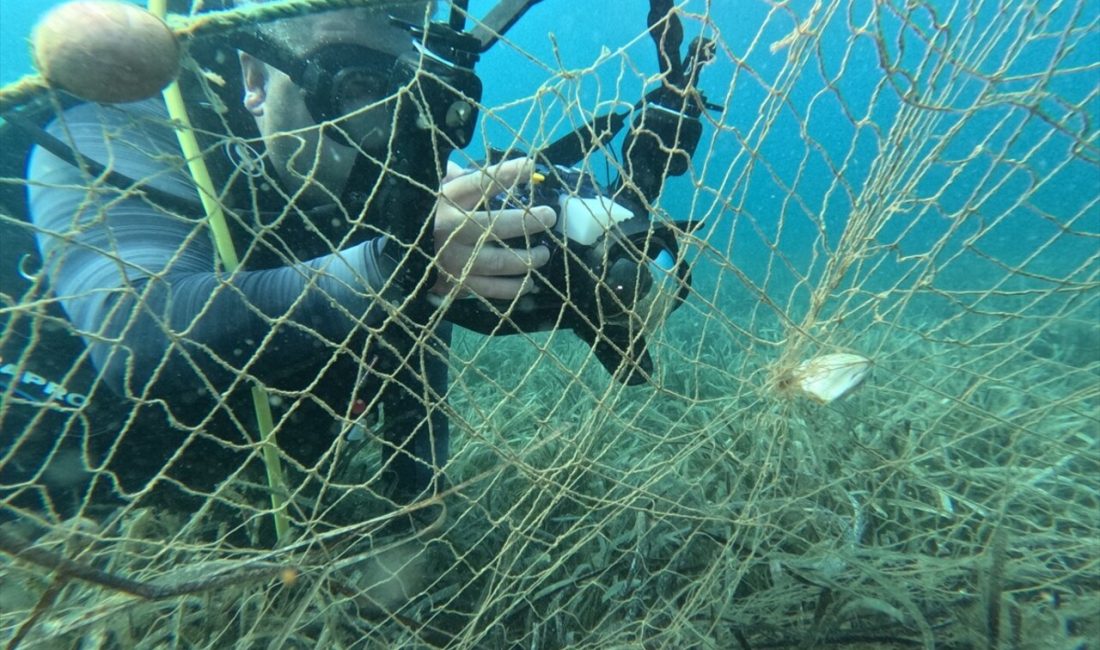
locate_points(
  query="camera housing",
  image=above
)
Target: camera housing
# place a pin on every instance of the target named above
(613, 275)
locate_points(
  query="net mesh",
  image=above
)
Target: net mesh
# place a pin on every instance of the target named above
(911, 182)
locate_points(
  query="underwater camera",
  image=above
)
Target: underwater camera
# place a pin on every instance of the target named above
(613, 276)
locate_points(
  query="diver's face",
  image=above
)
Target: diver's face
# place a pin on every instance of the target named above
(316, 165)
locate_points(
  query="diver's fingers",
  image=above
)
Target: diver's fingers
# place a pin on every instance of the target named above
(453, 172)
(463, 260)
(502, 224)
(469, 190)
(498, 288)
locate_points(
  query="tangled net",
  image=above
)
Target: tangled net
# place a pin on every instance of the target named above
(910, 182)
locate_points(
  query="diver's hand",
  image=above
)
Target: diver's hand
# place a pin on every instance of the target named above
(469, 255)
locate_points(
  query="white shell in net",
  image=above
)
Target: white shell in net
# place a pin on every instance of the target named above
(829, 377)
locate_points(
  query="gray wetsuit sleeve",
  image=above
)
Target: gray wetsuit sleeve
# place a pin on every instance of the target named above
(140, 283)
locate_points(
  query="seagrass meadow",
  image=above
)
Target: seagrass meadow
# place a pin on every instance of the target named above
(912, 185)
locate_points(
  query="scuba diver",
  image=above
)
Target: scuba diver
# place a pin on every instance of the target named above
(361, 244)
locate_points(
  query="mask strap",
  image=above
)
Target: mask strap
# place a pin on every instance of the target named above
(277, 56)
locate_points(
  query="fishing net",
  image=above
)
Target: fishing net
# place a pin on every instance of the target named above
(914, 183)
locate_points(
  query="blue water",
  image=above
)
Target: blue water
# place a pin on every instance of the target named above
(561, 34)
(17, 18)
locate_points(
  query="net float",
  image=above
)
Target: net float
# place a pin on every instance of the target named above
(104, 51)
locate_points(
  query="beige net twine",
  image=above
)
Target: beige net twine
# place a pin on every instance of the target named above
(869, 422)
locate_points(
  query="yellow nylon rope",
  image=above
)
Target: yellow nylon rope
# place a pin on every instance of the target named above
(223, 242)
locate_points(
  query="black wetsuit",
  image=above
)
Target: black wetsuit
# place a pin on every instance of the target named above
(174, 336)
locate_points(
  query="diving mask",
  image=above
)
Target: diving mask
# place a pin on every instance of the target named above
(356, 88)
(339, 79)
